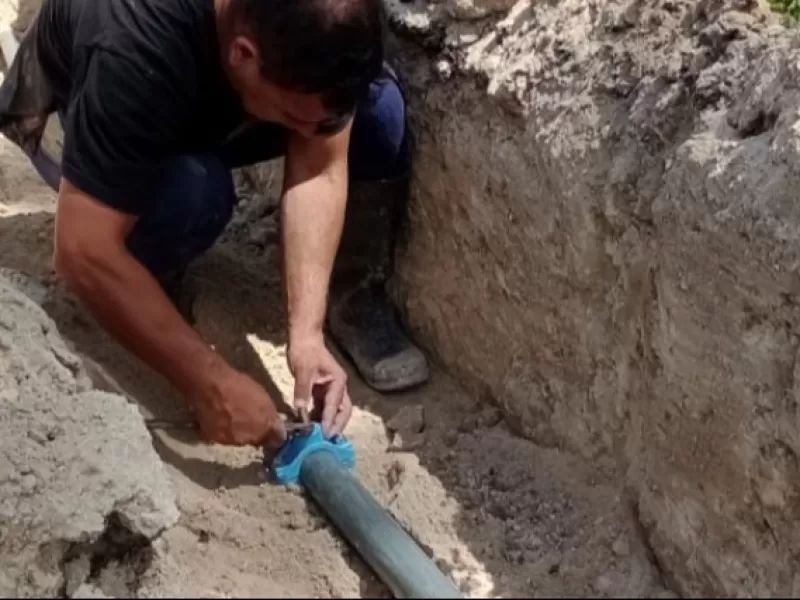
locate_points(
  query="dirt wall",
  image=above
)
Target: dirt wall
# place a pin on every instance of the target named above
(604, 238)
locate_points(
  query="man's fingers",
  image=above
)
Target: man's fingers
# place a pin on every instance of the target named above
(303, 385)
(343, 416)
(337, 389)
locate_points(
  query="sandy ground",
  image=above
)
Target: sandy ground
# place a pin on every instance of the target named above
(504, 517)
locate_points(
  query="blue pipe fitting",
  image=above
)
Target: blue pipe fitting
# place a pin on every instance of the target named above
(324, 468)
(289, 460)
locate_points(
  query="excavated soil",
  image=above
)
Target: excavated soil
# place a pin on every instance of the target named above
(501, 515)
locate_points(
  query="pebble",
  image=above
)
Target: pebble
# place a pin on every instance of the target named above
(621, 547)
(407, 443)
(409, 419)
(29, 484)
(444, 69)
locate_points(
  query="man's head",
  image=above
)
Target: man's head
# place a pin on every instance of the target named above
(304, 63)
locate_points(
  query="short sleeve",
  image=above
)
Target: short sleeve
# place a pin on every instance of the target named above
(124, 118)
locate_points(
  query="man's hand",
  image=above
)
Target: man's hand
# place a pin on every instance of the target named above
(320, 385)
(236, 410)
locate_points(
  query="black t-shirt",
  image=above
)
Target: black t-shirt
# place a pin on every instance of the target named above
(139, 81)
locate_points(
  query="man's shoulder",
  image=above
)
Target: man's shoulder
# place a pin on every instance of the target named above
(168, 33)
(153, 53)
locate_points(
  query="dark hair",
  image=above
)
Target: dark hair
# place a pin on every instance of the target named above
(329, 47)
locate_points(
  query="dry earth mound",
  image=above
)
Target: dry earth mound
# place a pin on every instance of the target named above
(80, 482)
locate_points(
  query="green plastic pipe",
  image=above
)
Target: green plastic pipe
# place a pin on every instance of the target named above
(385, 546)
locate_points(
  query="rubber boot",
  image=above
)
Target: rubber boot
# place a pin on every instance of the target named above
(361, 318)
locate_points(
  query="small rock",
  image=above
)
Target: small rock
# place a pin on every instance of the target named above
(621, 547)
(29, 484)
(450, 438)
(444, 69)
(406, 443)
(408, 420)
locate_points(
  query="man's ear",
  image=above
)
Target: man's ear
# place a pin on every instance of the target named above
(241, 51)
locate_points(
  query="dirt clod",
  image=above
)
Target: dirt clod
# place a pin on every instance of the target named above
(408, 420)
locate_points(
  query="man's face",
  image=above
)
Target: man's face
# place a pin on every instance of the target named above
(303, 113)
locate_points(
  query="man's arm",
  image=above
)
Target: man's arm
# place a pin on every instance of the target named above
(91, 255)
(313, 217)
(125, 118)
(315, 184)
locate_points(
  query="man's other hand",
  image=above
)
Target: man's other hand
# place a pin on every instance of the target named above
(320, 385)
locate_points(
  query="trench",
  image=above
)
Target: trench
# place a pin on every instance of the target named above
(548, 458)
(500, 515)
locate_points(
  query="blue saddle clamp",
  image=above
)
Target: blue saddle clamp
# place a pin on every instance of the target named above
(286, 466)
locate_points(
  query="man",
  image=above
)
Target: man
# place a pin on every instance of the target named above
(159, 100)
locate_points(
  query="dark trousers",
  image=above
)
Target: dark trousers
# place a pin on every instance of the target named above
(196, 196)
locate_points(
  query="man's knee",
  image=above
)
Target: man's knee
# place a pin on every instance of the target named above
(192, 205)
(197, 191)
(379, 139)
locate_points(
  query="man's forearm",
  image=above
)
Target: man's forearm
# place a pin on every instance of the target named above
(312, 225)
(129, 303)
(313, 216)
